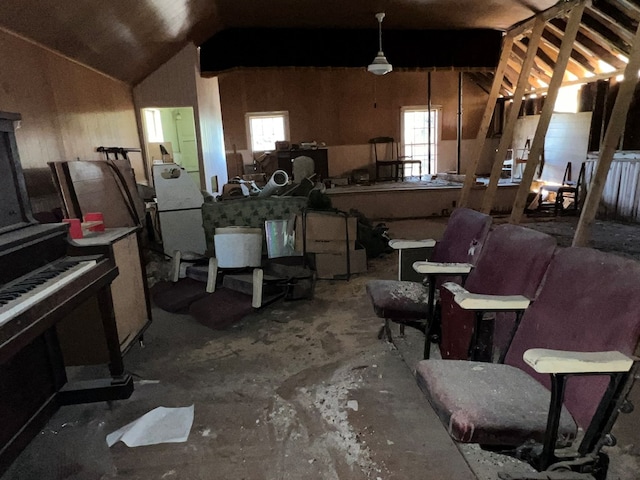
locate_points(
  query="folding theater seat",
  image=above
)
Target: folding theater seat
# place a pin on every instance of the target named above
(504, 280)
(412, 303)
(577, 339)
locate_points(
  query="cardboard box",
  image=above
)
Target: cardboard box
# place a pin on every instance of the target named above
(326, 232)
(332, 265)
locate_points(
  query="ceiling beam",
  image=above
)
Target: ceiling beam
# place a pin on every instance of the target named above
(581, 48)
(609, 145)
(587, 63)
(557, 10)
(537, 145)
(629, 8)
(611, 24)
(509, 127)
(481, 137)
(593, 28)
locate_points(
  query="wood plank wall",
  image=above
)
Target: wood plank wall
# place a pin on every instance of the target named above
(175, 84)
(346, 107)
(67, 110)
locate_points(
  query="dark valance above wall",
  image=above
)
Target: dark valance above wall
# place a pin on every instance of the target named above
(410, 49)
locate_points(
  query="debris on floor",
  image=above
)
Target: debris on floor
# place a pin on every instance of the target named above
(160, 425)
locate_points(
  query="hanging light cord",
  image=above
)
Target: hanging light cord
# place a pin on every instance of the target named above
(380, 17)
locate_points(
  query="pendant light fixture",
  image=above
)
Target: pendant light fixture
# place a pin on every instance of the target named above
(380, 65)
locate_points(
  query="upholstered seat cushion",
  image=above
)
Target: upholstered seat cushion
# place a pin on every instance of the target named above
(398, 300)
(488, 403)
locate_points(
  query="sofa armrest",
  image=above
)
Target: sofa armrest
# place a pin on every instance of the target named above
(544, 360)
(475, 301)
(433, 268)
(399, 244)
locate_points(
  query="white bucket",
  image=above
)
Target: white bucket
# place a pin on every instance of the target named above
(238, 247)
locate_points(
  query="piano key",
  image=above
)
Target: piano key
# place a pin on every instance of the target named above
(16, 303)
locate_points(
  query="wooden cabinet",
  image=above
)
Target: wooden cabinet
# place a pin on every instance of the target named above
(319, 156)
(81, 337)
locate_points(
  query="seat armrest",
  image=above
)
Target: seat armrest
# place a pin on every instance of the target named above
(404, 244)
(543, 360)
(442, 268)
(475, 301)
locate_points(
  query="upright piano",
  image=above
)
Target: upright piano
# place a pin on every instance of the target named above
(43, 279)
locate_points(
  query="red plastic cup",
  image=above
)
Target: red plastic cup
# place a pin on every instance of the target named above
(75, 227)
(95, 217)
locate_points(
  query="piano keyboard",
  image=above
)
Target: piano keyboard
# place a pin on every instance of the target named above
(22, 293)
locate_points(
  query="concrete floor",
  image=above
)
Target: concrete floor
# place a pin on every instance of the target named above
(274, 399)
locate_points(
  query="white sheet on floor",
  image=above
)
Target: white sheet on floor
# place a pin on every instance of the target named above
(160, 425)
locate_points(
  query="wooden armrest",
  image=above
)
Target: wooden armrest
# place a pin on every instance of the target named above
(543, 360)
(442, 268)
(476, 301)
(403, 244)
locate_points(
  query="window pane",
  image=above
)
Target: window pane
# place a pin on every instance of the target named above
(419, 137)
(266, 131)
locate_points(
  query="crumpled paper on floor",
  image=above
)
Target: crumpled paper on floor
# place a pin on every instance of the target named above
(160, 425)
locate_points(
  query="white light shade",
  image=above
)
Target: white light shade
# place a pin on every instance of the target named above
(380, 65)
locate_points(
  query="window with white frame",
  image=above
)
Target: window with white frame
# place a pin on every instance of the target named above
(153, 124)
(420, 135)
(267, 128)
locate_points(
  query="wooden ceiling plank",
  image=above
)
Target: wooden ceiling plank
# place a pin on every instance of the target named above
(609, 145)
(481, 137)
(509, 128)
(610, 24)
(537, 145)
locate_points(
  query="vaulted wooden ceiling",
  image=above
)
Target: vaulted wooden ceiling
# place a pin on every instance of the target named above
(130, 39)
(600, 50)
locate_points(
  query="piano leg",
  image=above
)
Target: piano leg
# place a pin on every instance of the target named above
(120, 385)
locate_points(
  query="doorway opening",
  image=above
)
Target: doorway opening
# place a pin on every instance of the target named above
(170, 137)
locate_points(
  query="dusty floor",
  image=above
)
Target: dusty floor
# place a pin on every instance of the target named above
(296, 390)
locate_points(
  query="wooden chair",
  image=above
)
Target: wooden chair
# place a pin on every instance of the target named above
(577, 339)
(386, 153)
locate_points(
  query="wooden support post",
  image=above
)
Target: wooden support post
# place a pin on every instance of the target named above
(537, 145)
(459, 130)
(481, 137)
(609, 145)
(429, 123)
(507, 133)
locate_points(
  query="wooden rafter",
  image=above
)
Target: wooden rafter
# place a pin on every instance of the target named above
(596, 43)
(509, 128)
(610, 24)
(629, 8)
(557, 10)
(543, 71)
(587, 63)
(607, 38)
(609, 145)
(589, 49)
(537, 145)
(573, 67)
(485, 122)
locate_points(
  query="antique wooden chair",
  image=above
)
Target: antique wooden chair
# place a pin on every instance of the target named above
(386, 153)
